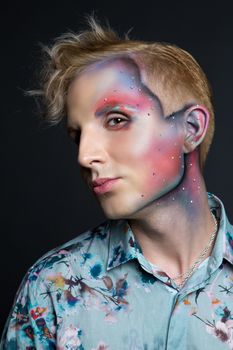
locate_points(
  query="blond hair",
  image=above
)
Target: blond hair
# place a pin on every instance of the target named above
(173, 73)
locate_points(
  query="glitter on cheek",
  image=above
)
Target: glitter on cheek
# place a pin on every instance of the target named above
(163, 167)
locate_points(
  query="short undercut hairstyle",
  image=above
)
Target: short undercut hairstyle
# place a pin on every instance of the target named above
(173, 74)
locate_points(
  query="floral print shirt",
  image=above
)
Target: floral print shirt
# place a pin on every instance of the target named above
(99, 292)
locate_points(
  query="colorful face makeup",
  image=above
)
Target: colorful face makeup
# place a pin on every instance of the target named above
(124, 135)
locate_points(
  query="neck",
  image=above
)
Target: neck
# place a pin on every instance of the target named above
(175, 228)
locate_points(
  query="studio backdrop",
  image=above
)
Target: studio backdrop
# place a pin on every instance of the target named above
(44, 200)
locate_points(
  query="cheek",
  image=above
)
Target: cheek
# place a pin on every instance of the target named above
(161, 164)
(151, 159)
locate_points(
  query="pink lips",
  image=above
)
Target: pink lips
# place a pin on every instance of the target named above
(103, 185)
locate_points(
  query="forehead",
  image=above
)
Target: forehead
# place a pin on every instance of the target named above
(120, 77)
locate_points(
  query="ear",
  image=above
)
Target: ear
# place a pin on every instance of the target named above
(196, 120)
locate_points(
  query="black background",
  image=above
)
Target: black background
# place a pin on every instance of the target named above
(44, 202)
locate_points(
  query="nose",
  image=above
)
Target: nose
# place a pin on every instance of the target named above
(91, 149)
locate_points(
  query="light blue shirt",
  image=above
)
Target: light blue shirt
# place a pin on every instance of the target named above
(99, 292)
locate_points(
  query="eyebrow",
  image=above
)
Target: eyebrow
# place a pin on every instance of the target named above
(115, 106)
(123, 101)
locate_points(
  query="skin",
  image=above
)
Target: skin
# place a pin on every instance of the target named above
(121, 131)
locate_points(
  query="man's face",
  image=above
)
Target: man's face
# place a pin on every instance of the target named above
(124, 135)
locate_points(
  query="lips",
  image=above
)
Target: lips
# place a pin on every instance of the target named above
(103, 185)
(101, 181)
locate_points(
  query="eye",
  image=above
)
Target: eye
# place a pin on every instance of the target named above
(117, 120)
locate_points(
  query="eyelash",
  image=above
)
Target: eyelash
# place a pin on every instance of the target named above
(125, 119)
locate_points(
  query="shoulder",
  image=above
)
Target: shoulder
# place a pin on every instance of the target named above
(71, 255)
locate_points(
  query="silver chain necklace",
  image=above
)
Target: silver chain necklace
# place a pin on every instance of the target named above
(188, 273)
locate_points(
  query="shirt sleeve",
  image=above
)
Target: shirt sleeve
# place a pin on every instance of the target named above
(32, 320)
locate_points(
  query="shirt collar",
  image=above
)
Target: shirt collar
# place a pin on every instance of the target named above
(122, 244)
(124, 247)
(223, 247)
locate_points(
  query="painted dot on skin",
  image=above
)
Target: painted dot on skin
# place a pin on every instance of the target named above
(114, 90)
(153, 174)
(142, 195)
(158, 149)
(148, 113)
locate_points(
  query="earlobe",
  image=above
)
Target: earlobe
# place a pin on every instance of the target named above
(196, 120)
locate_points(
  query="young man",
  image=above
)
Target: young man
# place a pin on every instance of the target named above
(157, 274)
